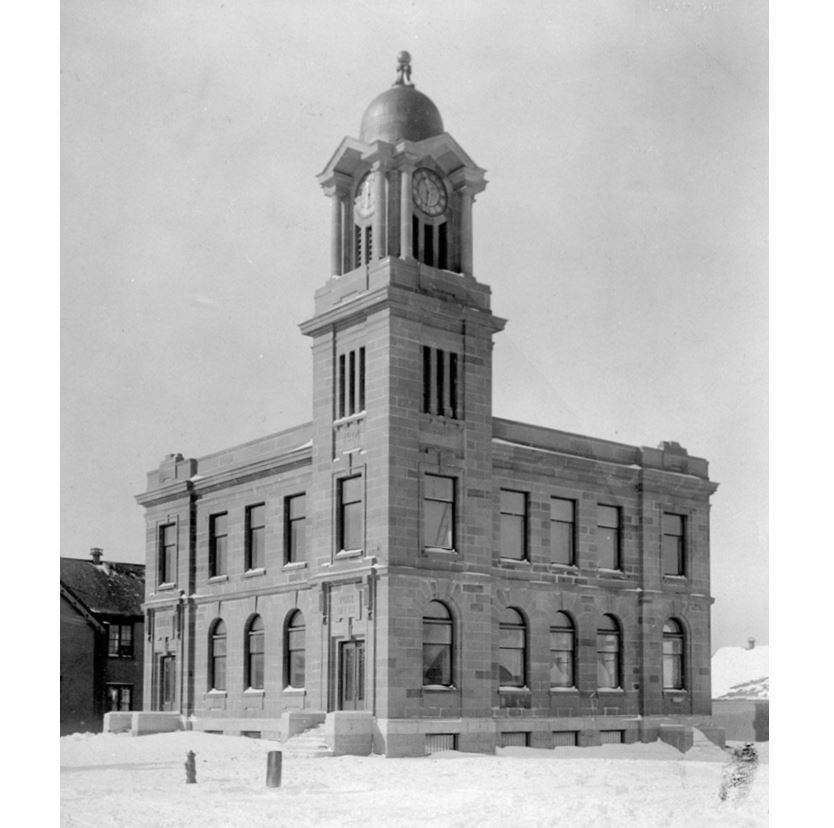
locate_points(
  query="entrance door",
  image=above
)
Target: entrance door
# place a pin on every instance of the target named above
(167, 682)
(352, 675)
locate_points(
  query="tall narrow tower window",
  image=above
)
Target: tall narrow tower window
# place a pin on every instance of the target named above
(440, 382)
(442, 247)
(351, 383)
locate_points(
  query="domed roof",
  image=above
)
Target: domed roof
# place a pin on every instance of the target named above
(401, 112)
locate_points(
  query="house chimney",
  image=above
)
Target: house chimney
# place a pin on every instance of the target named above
(95, 554)
(751, 643)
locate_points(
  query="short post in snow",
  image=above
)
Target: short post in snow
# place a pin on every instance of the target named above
(273, 769)
(190, 768)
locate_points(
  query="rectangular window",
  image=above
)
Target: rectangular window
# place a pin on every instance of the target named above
(351, 391)
(440, 377)
(357, 245)
(440, 382)
(120, 640)
(342, 387)
(562, 531)
(513, 525)
(255, 536)
(608, 537)
(453, 385)
(218, 544)
(428, 244)
(369, 243)
(439, 512)
(442, 247)
(673, 544)
(167, 553)
(426, 378)
(415, 237)
(351, 529)
(295, 511)
(119, 696)
(561, 658)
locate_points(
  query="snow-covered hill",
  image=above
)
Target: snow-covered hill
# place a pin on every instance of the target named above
(741, 673)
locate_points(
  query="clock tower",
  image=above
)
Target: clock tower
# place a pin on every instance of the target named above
(402, 373)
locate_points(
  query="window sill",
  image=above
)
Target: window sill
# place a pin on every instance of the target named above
(438, 550)
(670, 691)
(168, 585)
(679, 579)
(610, 690)
(564, 567)
(254, 692)
(290, 565)
(564, 690)
(518, 690)
(217, 694)
(349, 553)
(120, 655)
(254, 573)
(439, 688)
(349, 418)
(514, 561)
(294, 691)
(218, 579)
(604, 570)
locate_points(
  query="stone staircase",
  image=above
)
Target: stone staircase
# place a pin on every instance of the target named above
(307, 744)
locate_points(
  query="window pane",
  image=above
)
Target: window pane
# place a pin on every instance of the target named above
(672, 555)
(561, 669)
(218, 524)
(561, 509)
(219, 682)
(297, 668)
(351, 489)
(256, 671)
(113, 640)
(512, 502)
(297, 507)
(607, 670)
(256, 548)
(437, 664)
(437, 632)
(511, 667)
(360, 672)
(672, 672)
(608, 643)
(437, 524)
(672, 524)
(439, 488)
(219, 556)
(512, 537)
(257, 515)
(607, 556)
(608, 516)
(561, 542)
(297, 540)
(509, 637)
(352, 526)
(347, 672)
(561, 640)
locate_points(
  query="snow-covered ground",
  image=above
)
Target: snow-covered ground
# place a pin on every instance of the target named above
(120, 780)
(734, 666)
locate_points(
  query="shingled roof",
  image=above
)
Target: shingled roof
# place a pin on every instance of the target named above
(106, 588)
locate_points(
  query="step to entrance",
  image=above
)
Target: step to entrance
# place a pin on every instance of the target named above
(307, 744)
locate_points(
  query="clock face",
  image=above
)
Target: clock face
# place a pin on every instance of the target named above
(363, 203)
(429, 192)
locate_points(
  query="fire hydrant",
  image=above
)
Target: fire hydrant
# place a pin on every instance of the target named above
(190, 768)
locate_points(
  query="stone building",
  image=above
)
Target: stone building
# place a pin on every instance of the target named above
(102, 633)
(406, 567)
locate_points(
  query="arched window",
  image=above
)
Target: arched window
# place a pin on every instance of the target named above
(512, 649)
(217, 656)
(673, 639)
(437, 645)
(255, 654)
(295, 650)
(562, 647)
(609, 653)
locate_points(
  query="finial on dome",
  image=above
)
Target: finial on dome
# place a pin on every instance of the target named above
(403, 70)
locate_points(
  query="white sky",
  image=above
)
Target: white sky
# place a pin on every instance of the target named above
(623, 232)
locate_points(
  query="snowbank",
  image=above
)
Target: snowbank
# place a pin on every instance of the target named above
(732, 666)
(120, 780)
